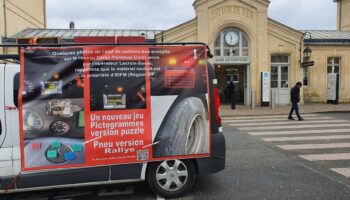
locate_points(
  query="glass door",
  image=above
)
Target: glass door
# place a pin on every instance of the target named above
(280, 83)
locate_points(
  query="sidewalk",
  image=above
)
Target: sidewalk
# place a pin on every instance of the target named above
(225, 110)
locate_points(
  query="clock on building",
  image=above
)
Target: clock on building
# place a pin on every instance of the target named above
(231, 38)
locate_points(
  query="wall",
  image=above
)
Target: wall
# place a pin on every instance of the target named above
(283, 40)
(249, 16)
(343, 15)
(266, 37)
(22, 14)
(317, 89)
(186, 32)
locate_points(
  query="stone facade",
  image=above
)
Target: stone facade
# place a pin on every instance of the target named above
(267, 38)
(259, 44)
(343, 15)
(21, 14)
(317, 89)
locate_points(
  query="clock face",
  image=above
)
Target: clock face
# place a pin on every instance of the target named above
(231, 38)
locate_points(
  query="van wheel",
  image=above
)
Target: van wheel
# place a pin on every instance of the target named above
(185, 131)
(171, 178)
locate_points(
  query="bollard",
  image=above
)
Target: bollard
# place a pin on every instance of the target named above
(273, 99)
(253, 100)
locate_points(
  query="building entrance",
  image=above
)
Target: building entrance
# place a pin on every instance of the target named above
(232, 64)
(280, 79)
(236, 74)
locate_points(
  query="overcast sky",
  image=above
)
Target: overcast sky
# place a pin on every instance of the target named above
(164, 14)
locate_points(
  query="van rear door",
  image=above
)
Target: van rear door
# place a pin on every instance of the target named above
(12, 81)
(5, 138)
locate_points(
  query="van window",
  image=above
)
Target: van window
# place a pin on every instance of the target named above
(15, 89)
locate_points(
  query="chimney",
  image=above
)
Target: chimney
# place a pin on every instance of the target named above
(71, 25)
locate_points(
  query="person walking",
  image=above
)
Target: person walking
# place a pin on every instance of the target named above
(295, 99)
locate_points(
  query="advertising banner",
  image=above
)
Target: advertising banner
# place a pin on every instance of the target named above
(265, 85)
(332, 88)
(107, 105)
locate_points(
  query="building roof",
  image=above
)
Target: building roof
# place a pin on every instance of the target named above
(331, 37)
(71, 33)
(319, 37)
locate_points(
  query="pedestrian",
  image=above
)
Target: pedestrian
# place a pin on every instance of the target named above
(231, 90)
(295, 99)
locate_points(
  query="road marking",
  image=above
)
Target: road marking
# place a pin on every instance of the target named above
(289, 122)
(323, 157)
(159, 197)
(265, 116)
(277, 128)
(314, 146)
(295, 126)
(270, 119)
(300, 132)
(306, 138)
(343, 171)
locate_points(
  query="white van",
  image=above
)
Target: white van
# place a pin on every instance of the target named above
(168, 178)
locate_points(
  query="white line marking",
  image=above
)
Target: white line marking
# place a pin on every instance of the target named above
(159, 197)
(300, 132)
(295, 126)
(266, 116)
(343, 171)
(154, 143)
(289, 122)
(314, 146)
(320, 157)
(92, 139)
(271, 119)
(280, 139)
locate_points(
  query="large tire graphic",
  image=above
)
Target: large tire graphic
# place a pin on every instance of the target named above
(185, 130)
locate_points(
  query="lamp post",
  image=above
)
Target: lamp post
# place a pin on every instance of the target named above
(306, 55)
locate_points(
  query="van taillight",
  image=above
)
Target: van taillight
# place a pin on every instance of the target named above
(217, 106)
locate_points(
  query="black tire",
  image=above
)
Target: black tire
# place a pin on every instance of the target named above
(185, 131)
(176, 170)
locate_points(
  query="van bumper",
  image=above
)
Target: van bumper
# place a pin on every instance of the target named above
(216, 162)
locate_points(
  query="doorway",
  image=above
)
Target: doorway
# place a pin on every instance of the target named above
(237, 74)
(280, 80)
(280, 83)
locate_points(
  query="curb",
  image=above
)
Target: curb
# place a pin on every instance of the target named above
(281, 113)
(270, 114)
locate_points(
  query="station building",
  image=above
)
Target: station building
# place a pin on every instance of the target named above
(245, 42)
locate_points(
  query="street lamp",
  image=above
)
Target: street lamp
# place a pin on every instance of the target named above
(307, 51)
(306, 56)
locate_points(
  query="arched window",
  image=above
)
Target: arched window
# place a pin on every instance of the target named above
(231, 42)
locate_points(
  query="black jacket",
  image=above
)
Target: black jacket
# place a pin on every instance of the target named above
(231, 88)
(295, 94)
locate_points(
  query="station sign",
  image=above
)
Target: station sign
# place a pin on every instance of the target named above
(231, 60)
(308, 64)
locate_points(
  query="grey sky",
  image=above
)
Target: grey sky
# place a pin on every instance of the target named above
(164, 14)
